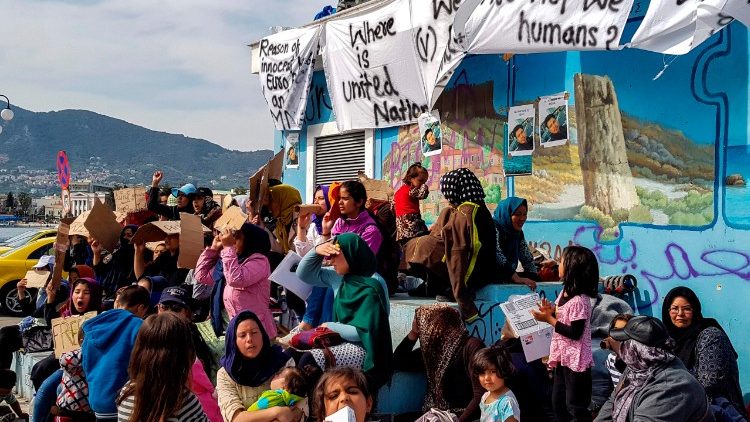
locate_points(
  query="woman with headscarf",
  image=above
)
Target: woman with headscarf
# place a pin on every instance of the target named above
(510, 216)
(460, 253)
(249, 363)
(655, 386)
(703, 346)
(445, 355)
(281, 201)
(244, 255)
(115, 270)
(360, 305)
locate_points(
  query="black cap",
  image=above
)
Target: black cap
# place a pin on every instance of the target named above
(204, 192)
(643, 329)
(175, 294)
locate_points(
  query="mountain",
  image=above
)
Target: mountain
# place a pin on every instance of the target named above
(109, 150)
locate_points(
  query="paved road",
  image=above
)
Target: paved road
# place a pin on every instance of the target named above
(6, 320)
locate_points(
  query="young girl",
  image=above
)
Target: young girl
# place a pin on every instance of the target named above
(409, 223)
(159, 373)
(494, 367)
(570, 353)
(342, 387)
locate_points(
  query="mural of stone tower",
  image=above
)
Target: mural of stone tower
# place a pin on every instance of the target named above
(607, 180)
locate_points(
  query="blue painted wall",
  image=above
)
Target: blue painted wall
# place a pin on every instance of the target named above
(697, 110)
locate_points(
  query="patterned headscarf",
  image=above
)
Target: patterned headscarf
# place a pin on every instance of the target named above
(282, 202)
(642, 362)
(441, 336)
(461, 185)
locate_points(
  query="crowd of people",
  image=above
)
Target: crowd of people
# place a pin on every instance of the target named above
(148, 356)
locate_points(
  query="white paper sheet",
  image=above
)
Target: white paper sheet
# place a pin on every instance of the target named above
(535, 336)
(285, 275)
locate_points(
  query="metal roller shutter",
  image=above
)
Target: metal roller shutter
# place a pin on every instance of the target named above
(339, 157)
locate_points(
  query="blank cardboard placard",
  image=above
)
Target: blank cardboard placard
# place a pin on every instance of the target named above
(156, 231)
(254, 185)
(102, 225)
(36, 279)
(130, 199)
(377, 189)
(77, 227)
(232, 219)
(65, 332)
(191, 240)
(276, 165)
(308, 209)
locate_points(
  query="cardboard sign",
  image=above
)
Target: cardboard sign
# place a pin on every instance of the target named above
(65, 332)
(102, 225)
(285, 275)
(191, 240)
(308, 209)
(63, 231)
(232, 219)
(255, 182)
(155, 231)
(536, 336)
(36, 279)
(130, 199)
(376, 189)
(276, 165)
(153, 245)
(77, 227)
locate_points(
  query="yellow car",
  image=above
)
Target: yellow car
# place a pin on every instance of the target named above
(24, 238)
(13, 267)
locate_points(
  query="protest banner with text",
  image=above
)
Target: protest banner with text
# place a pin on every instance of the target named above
(65, 332)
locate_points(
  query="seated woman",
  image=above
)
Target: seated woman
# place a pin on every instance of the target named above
(360, 305)
(655, 386)
(460, 253)
(510, 216)
(159, 372)
(703, 346)
(340, 388)
(249, 363)
(246, 268)
(445, 354)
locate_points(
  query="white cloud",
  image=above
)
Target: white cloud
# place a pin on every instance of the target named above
(181, 66)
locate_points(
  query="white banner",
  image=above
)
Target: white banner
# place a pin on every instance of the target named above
(678, 26)
(287, 62)
(507, 26)
(738, 9)
(372, 69)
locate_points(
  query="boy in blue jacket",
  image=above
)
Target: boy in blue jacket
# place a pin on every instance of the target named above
(108, 340)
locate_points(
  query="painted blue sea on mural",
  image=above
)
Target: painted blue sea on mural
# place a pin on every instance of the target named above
(738, 197)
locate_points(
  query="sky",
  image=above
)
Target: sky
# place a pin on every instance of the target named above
(178, 66)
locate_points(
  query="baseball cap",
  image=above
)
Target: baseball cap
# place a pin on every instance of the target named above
(643, 329)
(187, 190)
(175, 294)
(44, 261)
(204, 192)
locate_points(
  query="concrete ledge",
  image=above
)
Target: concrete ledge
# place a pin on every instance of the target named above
(404, 394)
(22, 364)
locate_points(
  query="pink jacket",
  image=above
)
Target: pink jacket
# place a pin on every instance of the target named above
(247, 287)
(201, 386)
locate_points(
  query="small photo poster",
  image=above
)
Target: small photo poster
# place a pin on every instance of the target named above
(430, 133)
(553, 120)
(292, 150)
(521, 122)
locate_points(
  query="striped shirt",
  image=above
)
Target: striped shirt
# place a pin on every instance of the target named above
(614, 373)
(191, 411)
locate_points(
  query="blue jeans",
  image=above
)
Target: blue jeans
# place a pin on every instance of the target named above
(319, 306)
(46, 396)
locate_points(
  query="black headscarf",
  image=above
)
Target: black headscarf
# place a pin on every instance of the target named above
(251, 372)
(686, 338)
(255, 241)
(461, 185)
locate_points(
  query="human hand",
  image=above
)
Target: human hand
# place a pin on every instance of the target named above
(21, 288)
(327, 250)
(96, 247)
(527, 281)
(140, 248)
(414, 333)
(327, 224)
(288, 414)
(227, 238)
(216, 243)
(303, 222)
(51, 290)
(156, 178)
(545, 312)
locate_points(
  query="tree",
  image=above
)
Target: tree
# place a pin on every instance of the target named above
(24, 201)
(9, 202)
(239, 190)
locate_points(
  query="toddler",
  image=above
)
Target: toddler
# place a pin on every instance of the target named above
(288, 388)
(409, 223)
(7, 382)
(493, 366)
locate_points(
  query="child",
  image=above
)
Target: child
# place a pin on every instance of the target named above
(342, 387)
(570, 355)
(288, 387)
(7, 382)
(409, 223)
(494, 366)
